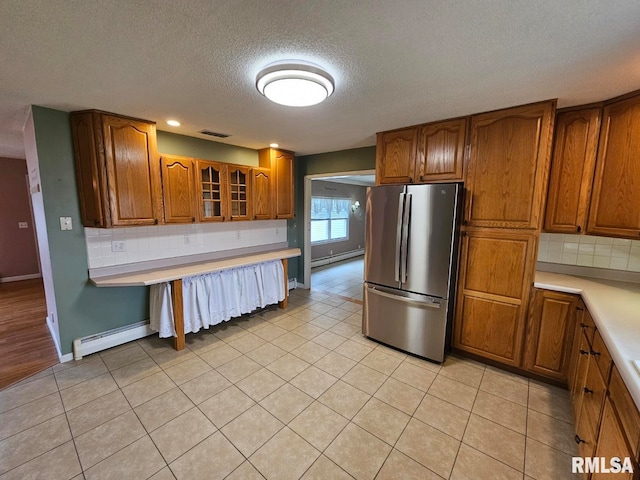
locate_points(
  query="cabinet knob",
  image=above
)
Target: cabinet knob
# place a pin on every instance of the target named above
(584, 352)
(155, 221)
(96, 222)
(193, 219)
(578, 440)
(583, 325)
(587, 390)
(422, 178)
(594, 353)
(410, 179)
(579, 229)
(255, 217)
(223, 218)
(580, 309)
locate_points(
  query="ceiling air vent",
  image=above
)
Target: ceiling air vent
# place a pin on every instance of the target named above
(214, 134)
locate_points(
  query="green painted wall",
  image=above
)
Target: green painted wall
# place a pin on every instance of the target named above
(174, 144)
(332, 162)
(82, 308)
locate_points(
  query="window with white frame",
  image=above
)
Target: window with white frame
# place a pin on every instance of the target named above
(329, 219)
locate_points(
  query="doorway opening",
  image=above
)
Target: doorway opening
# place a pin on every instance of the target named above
(334, 218)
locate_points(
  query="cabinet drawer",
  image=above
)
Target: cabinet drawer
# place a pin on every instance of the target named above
(626, 409)
(585, 438)
(602, 356)
(594, 390)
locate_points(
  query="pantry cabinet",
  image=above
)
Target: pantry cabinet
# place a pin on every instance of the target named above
(508, 166)
(572, 168)
(178, 189)
(615, 204)
(280, 162)
(494, 286)
(550, 332)
(261, 192)
(117, 169)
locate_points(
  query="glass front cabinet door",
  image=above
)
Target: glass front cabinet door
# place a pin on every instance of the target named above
(212, 185)
(239, 192)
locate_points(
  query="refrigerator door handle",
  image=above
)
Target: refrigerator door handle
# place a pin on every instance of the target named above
(405, 239)
(375, 291)
(399, 237)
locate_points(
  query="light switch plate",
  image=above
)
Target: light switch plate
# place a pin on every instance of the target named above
(65, 223)
(23, 225)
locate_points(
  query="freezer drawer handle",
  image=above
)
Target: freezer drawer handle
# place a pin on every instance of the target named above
(375, 291)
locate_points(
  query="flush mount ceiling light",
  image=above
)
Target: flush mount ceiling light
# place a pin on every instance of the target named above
(294, 84)
(274, 145)
(173, 123)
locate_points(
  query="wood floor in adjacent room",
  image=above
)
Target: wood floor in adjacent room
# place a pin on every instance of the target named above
(26, 346)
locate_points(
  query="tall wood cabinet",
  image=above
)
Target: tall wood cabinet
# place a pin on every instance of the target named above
(281, 164)
(506, 180)
(615, 205)
(117, 169)
(178, 189)
(572, 167)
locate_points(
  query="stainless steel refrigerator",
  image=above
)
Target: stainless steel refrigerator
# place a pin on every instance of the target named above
(411, 247)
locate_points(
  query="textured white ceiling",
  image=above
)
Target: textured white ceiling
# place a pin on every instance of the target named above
(395, 63)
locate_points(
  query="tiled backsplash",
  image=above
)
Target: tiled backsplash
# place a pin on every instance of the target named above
(590, 251)
(165, 241)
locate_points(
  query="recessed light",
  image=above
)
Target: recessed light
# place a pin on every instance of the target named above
(173, 123)
(294, 84)
(274, 145)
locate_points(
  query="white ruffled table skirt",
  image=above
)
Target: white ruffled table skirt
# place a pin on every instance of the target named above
(217, 297)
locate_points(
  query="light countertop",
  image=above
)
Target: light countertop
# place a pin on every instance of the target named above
(615, 308)
(168, 274)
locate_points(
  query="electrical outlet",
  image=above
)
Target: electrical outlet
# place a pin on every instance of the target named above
(65, 223)
(23, 225)
(118, 246)
(238, 235)
(187, 240)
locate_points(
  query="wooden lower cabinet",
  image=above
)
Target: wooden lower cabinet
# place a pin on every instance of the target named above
(612, 443)
(550, 333)
(490, 319)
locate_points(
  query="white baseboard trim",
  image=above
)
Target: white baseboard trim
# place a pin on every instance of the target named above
(302, 286)
(54, 337)
(17, 278)
(336, 258)
(66, 358)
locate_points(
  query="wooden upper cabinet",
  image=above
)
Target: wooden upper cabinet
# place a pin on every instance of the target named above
(572, 166)
(550, 334)
(441, 149)
(509, 160)
(178, 189)
(117, 169)
(211, 191)
(261, 193)
(281, 164)
(496, 275)
(615, 203)
(239, 192)
(396, 156)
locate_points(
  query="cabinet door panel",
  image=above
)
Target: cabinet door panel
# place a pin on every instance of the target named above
(441, 151)
(178, 189)
(626, 409)
(508, 166)
(615, 204)
(212, 192)
(611, 443)
(495, 280)
(239, 192)
(550, 333)
(284, 184)
(261, 193)
(572, 167)
(132, 169)
(396, 156)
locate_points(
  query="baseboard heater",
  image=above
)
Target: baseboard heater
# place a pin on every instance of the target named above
(318, 262)
(111, 338)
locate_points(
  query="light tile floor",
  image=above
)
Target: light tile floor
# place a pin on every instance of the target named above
(285, 394)
(342, 278)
